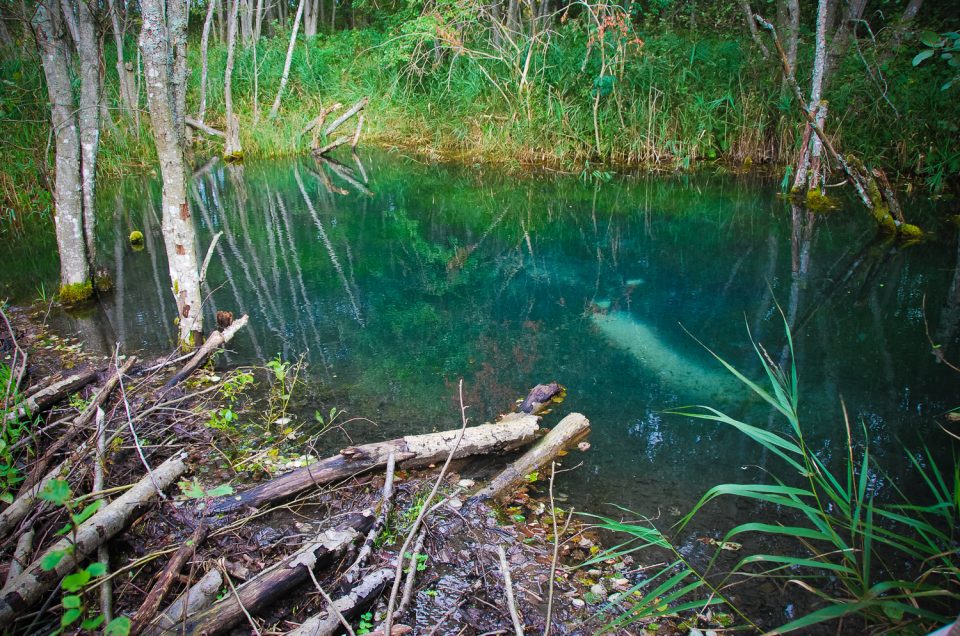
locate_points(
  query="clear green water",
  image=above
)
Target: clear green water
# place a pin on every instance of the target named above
(442, 272)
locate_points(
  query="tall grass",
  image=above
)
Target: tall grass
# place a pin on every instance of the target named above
(892, 564)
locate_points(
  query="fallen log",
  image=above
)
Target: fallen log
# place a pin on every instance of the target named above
(27, 588)
(80, 422)
(510, 433)
(319, 119)
(327, 624)
(333, 145)
(216, 340)
(23, 504)
(151, 603)
(50, 395)
(353, 110)
(278, 580)
(21, 556)
(199, 597)
(570, 430)
(204, 128)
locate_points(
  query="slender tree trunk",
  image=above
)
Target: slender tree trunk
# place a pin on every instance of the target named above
(819, 68)
(258, 22)
(6, 40)
(232, 147)
(752, 26)
(127, 94)
(223, 10)
(89, 118)
(843, 33)
(246, 23)
(70, 18)
(333, 15)
(900, 29)
(204, 47)
(75, 284)
(163, 42)
(286, 63)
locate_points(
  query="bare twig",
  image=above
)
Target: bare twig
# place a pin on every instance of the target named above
(206, 259)
(133, 431)
(411, 572)
(99, 478)
(226, 576)
(330, 604)
(388, 620)
(508, 584)
(556, 550)
(351, 574)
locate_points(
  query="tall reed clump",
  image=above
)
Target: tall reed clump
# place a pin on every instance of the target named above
(890, 564)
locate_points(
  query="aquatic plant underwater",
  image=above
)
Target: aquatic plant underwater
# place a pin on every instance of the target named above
(883, 563)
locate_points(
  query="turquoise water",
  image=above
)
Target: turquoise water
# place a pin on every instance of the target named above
(397, 278)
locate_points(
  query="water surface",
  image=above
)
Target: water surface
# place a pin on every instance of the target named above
(396, 278)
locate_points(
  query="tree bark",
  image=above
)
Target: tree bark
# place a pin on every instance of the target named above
(163, 43)
(278, 580)
(232, 149)
(289, 59)
(75, 281)
(204, 47)
(802, 179)
(752, 26)
(128, 100)
(570, 430)
(50, 395)
(30, 586)
(327, 624)
(89, 118)
(512, 432)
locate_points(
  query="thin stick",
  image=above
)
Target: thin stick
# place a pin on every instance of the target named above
(367, 547)
(330, 604)
(508, 583)
(99, 475)
(411, 572)
(133, 432)
(388, 620)
(356, 134)
(226, 576)
(556, 551)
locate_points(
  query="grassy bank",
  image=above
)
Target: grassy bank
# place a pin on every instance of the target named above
(672, 100)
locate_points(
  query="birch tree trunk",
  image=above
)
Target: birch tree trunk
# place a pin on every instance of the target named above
(89, 118)
(814, 148)
(232, 149)
(310, 18)
(246, 23)
(752, 26)
(127, 91)
(163, 43)
(204, 47)
(286, 64)
(75, 283)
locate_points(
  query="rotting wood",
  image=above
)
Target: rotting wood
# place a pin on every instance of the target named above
(151, 603)
(204, 128)
(47, 397)
(333, 145)
(21, 556)
(216, 340)
(366, 549)
(79, 423)
(199, 597)
(27, 588)
(570, 430)
(510, 433)
(362, 594)
(350, 112)
(540, 396)
(278, 580)
(319, 119)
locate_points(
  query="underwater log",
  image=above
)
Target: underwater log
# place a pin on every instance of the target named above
(511, 432)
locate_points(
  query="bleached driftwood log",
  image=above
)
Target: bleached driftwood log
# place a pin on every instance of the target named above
(570, 430)
(50, 395)
(510, 433)
(278, 580)
(27, 588)
(199, 597)
(326, 623)
(216, 340)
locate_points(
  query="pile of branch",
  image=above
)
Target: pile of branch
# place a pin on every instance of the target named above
(316, 125)
(130, 404)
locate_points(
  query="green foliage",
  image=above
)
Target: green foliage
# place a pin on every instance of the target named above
(947, 47)
(890, 563)
(194, 490)
(366, 623)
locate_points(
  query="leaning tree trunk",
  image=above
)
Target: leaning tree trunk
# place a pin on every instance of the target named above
(813, 147)
(75, 284)
(89, 117)
(286, 63)
(204, 47)
(232, 149)
(163, 43)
